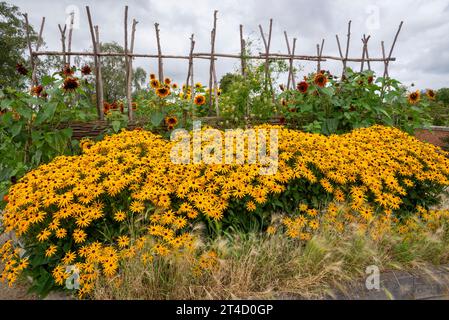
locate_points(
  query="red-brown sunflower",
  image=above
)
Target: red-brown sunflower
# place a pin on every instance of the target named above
(162, 92)
(70, 84)
(199, 100)
(302, 86)
(21, 69)
(414, 97)
(37, 90)
(67, 71)
(167, 81)
(430, 94)
(320, 80)
(152, 76)
(86, 70)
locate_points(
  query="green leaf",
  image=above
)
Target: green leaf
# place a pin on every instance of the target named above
(156, 118)
(116, 124)
(46, 113)
(15, 129)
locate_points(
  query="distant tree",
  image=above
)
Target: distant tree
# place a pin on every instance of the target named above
(227, 80)
(443, 95)
(113, 73)
(13, 44)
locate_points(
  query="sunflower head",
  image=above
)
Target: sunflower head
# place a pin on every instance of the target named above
(167, 81)
(106, 107)
(171, 121)
(320, 80)
(162, 92)
(68, 71)
(154, 83)
(70, 84)
(414, 97)
(37, 90)
(302, 86)
(370, 79)
(430, 94)
(86, 70)
(198, 85)
(199, 100)
(134, 106)
(152, 76)
(174, 86)
(21, 69)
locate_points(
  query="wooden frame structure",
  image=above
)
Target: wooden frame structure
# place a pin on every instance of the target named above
(212, 56)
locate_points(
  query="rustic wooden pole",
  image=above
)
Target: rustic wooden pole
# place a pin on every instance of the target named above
(242, 52)
(40, 39)
(267, 53)
(100, 92)
(392, 47)
(69, 44)
(98, 85)
(159, 53)
(38, 44)
(62, 31)
(365, 52)
(125, 48)
(367, 59)
(130, 73)
(27, 30)
(348, 38)
(212, 59)
(190, 69)
(290, 67)
(385, 60)
(217, 109)
(319, 51)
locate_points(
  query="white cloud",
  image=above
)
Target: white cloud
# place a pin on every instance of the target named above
(421, 50)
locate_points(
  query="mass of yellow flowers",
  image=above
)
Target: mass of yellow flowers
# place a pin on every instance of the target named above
(124, 194)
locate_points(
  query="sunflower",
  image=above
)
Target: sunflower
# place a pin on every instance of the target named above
(198, 85)
(152, 76)
(174, 86)
(414, 97)
(86, 70)
(134, 106)
(167, 81)
(154, 83)
(430, 94)
(320, 80)
(199, 100)
(21, 69)
(67, 71)
(37, 90)
(106, 107)
(302, 86)
(370, 79)
(70, 84)
(162, 92)
(171, 121)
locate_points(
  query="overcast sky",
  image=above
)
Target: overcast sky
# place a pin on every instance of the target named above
(422, 50)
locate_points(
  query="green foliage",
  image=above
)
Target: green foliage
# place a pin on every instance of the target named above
(357, 101)
(250, 96)
(13, 44)
(113, 73)
(33, 128)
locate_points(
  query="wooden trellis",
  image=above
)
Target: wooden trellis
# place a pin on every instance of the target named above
(212, 56)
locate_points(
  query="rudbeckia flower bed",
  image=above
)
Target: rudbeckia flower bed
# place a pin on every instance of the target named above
(124, 198)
